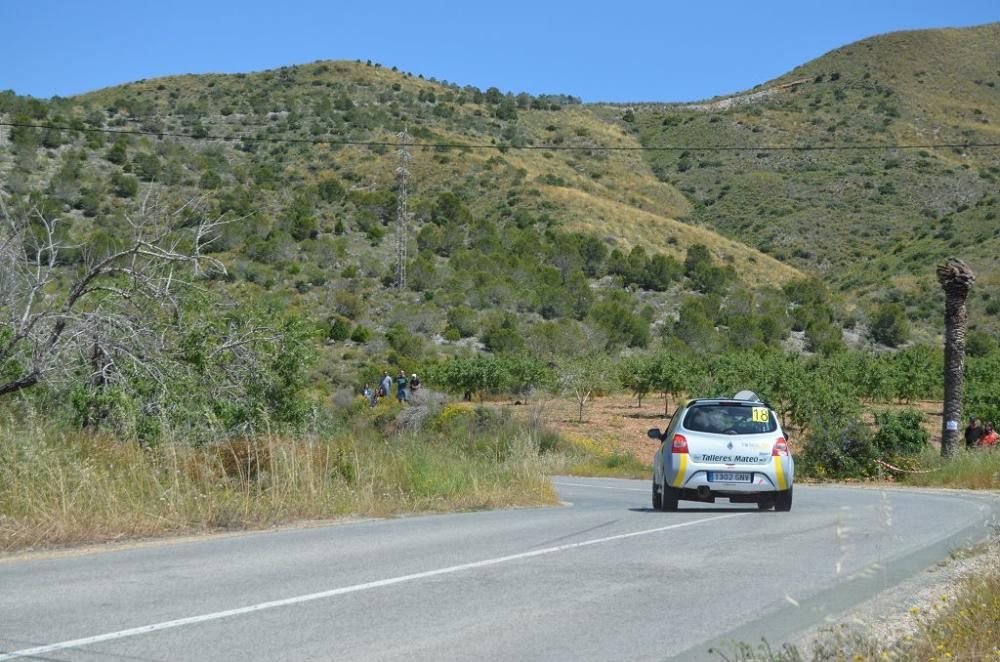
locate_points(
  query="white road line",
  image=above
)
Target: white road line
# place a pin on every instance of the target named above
(600, 487)
(214, 616)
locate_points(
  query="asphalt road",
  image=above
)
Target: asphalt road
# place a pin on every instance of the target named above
(605, 578)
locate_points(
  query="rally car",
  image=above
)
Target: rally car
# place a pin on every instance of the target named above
(731, 448)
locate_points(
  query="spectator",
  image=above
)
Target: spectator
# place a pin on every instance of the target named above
(414, 382)
(973, 433)
(385, 385)
(401, 383)
(990, 436)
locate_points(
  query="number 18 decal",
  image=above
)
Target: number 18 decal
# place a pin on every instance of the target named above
(760, 415)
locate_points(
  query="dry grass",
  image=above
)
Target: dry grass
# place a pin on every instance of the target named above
(59, 488)
(966, 627)
(972, 470)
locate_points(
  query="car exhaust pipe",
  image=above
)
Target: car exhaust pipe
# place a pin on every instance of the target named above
(704, 492)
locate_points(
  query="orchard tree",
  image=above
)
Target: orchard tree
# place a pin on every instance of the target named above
(469, 376)
(583, 376)
(672, 374)
(637, 374)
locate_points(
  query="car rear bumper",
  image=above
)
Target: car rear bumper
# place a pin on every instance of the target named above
(761, 481)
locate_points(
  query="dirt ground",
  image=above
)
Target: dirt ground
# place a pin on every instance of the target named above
(613, 422)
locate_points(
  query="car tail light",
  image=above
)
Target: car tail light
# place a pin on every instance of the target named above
(780, 448)
(679, 444)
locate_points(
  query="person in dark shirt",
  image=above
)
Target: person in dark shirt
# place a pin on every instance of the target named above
(401, 383)
(973, 433)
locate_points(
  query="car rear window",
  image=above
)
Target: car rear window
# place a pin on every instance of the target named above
(730, 419)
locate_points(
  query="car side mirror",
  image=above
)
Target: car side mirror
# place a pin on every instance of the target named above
(654, 433)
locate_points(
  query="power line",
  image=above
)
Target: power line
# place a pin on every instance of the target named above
(508, 146)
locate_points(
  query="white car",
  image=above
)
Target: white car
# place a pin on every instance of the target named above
(730, 448)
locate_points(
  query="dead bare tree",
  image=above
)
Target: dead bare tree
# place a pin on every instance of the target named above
(55, 318)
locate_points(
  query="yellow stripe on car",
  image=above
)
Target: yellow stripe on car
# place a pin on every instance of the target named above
(679, 480)
(779, 473)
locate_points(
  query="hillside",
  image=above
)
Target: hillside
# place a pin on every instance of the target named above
(872, 221)
(356, 102)
(539, 225)
(505, 233)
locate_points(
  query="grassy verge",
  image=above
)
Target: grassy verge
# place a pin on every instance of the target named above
(577, 456)
(973, 470)
(61, 487)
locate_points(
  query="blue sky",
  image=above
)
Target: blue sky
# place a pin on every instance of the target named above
(600, 51)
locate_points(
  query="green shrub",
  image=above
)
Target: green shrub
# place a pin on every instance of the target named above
(900, 433)
(889, 325)
(210, 180)
(502, 335)
(340, 329)
(839, 450)
(124, 186)
(404, 342)
(118, 153)
(331, 190)
(463, 320)
(361, 334)
(979, 343)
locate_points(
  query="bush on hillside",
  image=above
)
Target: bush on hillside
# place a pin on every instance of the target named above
(889, 325)
(463, 320)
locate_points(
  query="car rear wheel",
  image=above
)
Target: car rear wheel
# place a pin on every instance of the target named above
(783, 500)
(657, 498)
(669, 498)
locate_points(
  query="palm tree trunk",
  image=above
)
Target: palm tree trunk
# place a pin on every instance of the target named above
(956, 279)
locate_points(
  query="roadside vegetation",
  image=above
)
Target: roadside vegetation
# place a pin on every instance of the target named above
(96, 464)
(59, 486)
(969, 470)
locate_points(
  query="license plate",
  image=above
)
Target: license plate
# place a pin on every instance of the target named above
(730, 476)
